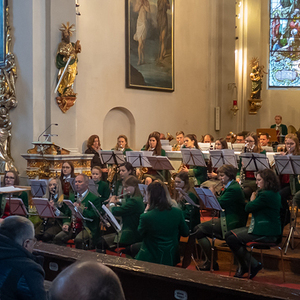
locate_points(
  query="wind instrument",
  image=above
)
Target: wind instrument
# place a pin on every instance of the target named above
(170, 137)
(112, 173)
(143, 170)
(117, 197)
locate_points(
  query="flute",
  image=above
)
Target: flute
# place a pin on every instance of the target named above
(117, 197)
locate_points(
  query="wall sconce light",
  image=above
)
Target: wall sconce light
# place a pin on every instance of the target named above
(234, 107)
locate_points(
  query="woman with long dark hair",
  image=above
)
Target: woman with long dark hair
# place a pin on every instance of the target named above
(66, 173)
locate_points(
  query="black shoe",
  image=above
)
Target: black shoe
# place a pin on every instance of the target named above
(206, 266)
(255, 270)
(240, 272)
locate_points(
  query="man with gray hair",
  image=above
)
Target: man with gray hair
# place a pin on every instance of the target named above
(88, 280)
(21, 277)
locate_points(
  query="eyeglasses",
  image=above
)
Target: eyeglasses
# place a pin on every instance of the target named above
(288, 144)
(9, 177)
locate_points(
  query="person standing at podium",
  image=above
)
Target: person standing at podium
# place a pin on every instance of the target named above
(281, 129)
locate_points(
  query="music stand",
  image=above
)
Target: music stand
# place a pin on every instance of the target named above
(17, 207)
(112, 157)
(254, 162)
(210, 202)
(187, 198)
(222, 157)
(193, 157)
(93, 188)
(290, 165)
(143, 190)
(139, 158)
(38, 187)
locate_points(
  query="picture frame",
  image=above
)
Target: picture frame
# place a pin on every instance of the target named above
(3, 6)
(149, 31)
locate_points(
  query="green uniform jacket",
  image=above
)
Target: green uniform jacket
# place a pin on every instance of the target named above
(232, 200)
(118, 184)
(103, 190)
(161, 231)
(23, 196)
(130, 212)
(200, 173)
(191, 213)
(283, 127)
(88, 212)
(265, 209)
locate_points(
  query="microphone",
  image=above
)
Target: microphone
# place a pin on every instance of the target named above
(46, 130)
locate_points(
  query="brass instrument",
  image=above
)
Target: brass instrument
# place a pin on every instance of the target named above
(181, 167)
(143, 171)
(176, 147)
(170, 137)
(112, 173)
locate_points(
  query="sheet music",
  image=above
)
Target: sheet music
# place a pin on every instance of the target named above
(11, 189)
(139, 158)
(222, 157)
(75, 211)
(112, 157)
(255, 161)
(208, 198)
(193, 157)
(100, 156)
(93, 188)
(111, 216)
(43, 208)
(287, 164)
(160, 163)
(17, 207)
(38, 187)
(143, 189)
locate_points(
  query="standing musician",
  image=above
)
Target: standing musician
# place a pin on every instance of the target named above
(153, 144)
(232, 200)
(190, 212)
(50, 227)
(197, 173)
(102, 186)
(82, 232)
(179, 141)
(281, 129)
(93, 147)
(248, 178)
(67, 172)
(11, 178)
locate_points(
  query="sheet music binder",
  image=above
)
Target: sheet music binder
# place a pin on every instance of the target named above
(160, 163)
(139, 158)
(287, 164)
(255, 161)
(38, 187)
(111, 217)
(43, 208)
(223, 157)
(112, 157)
(208, 198)
(17, 207)
(75, 211)
(193, 157)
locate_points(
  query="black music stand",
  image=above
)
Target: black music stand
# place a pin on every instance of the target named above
(222, 157)
(210, 202)
(193, 157)
(93, 188)
(289, 165)
(139, 159)
(38, 187)
(77, 214)
(254, 162)
(17, 207)
(187, 198)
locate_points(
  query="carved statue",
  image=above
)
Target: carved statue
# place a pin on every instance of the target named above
(256, 77)
(66, 62)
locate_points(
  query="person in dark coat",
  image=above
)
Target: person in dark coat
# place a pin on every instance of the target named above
(21, 277)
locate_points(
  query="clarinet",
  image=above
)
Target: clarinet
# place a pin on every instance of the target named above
(73, 217)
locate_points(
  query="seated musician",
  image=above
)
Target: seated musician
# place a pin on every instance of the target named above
(130, 211)
(230, 137)
(51, 227)
(153, 144)
(190, 212)
(160, 228)
(196, 173)
(232, 200)
(93, 147)
(208, 138)
(102, 186)
(11, 178)
(248, 178)
(179, 141)
(281, 129)
(66, 173)
(265, 224)
(122, 144)
(83, 233)
(264, 139)
(240, 137)
(125, 170)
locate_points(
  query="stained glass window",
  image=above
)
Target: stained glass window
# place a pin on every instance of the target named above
(284, 67)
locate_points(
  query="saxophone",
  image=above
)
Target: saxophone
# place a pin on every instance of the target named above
(181, 167)
(112, 173)
(143, 171)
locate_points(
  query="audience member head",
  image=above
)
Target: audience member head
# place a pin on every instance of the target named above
(221, 144)
(20, 230)
(10, 178)
(292, 144)
(96, 173)
(278, 119)
(208, 138)
(131, 186)
(53, 188)
(228, 170)
(88, 280)
(190, 141)
(125, 170)
(153, 143)
(240, 138)
(264, 139)
(81, 183)
(180, 137)
(267, 180)
(251, 143)
(122, 142)
(230, 137)
(67, 169)
(94, 142)
(157, 196)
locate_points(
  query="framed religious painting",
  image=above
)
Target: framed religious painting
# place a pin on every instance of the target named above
(150, 44)
(3, 5)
